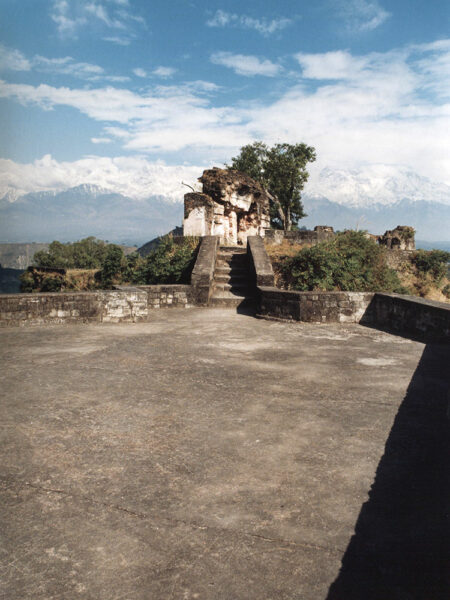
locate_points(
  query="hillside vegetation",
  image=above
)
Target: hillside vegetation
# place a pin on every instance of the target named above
(93, 264)
(353, 262)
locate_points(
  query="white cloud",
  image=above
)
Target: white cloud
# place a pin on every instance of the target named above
(331, 65)
(264, 26)
(72, 15)
(164, 72)
(246, 65)
(362, 15)
(375, 108)
(102, 140)
(120, 41)
(135, 177)
(140, 72)
(67, 66)
(13, 60)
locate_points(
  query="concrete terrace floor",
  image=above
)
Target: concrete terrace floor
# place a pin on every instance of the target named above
(211, 455)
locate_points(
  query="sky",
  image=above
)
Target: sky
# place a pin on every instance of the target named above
(131, 93)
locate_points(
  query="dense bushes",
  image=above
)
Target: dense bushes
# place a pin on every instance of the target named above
(85, 254)
(432, 262)
(349, 262)
(92, 264)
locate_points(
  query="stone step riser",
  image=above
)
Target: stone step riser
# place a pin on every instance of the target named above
(228, 277)
(231, 271)
(233, 259)
(227, 302)
(242, 288)
(231, 278)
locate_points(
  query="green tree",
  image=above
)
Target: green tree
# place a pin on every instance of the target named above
(349, 262)
(112, 265)
(281, 170)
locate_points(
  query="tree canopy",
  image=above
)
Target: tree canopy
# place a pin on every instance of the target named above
(281, 170)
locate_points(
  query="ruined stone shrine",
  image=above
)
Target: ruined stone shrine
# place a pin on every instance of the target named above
(400, 238)
(232, 205)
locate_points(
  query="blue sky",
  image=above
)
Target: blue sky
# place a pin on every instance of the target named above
(108, 90)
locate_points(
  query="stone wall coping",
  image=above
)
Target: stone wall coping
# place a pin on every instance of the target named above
(176, 287)
(262, 266)
(54, 294)
(299, 293)
(416, 299)
(203, 272)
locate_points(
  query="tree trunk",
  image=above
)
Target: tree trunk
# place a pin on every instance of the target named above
(287, 222)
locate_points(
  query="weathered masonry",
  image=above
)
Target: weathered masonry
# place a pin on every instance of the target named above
(213, 284)
(231, 206)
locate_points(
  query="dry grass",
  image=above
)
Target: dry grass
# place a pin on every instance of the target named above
(417, 283)
(277, 253)
(81, 279)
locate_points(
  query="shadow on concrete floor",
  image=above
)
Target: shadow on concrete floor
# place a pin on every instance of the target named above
(401, 546)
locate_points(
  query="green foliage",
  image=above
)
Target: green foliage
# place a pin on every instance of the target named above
(26, 282)
(349, 262)
(251, 160)
(170, 262)
(88, 253)
(281, 170)
(113, 265)
(446, 290)
(432, 262)
(36, 281)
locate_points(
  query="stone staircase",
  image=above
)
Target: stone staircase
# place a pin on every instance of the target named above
(232, 284)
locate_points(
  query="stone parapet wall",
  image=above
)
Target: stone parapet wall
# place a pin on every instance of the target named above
(412, 315)
(169, 296)
(315, 307)
(203, 272)
(20, 309)
(126, 304)
(320, 234)
(259, 262)
(407, 315)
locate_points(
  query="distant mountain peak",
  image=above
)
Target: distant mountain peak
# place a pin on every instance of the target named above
(376, 185)
(90, 189)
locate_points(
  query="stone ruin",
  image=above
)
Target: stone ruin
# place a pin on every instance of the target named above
(400, 238)
(231, 205)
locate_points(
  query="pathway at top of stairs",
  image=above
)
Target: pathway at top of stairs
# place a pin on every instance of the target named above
(232, 284)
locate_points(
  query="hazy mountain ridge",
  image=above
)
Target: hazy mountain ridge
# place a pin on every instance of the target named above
(87, 210)
(375, 198)
(376, 185)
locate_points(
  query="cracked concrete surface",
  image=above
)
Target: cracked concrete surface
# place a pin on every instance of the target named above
(204, 454)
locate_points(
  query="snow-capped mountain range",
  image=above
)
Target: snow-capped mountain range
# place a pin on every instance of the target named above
(375, 184)
(376, 198)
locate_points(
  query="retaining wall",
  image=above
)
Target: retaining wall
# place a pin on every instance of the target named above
(412, 315)
(320, 234)
(407, 315)
(315, 307)
(126, 304)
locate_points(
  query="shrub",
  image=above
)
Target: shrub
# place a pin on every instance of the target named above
(349, 262)
(170, 262)
(432, 262)
(113, 265)
(88, 253)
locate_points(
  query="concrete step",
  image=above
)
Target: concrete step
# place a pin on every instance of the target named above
(232, 249)
(225, 299)
(224, 269)
(228, 276)
(240, 259)
(241, 288)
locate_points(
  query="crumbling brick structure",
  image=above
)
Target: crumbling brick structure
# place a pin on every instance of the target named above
(232, 205)
(400, 238)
